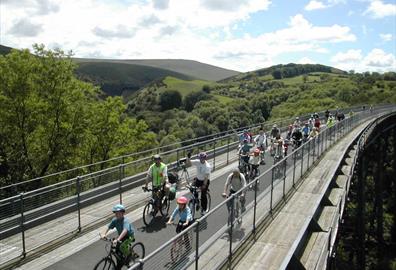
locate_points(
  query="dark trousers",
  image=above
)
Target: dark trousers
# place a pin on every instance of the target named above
(204, 199)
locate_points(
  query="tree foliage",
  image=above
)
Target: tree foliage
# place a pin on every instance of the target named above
(51, 121)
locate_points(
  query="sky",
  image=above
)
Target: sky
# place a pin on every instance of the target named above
(241, 35)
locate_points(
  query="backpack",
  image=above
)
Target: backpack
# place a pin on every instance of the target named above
(173, 177)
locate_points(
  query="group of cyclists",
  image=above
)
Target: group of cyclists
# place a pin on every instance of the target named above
(251, 150)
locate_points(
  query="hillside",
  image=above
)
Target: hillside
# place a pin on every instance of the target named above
(284, 71)
(117, 79)
(4, 50)
(190, 68)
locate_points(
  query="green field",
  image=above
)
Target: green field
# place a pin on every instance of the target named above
(184, 87)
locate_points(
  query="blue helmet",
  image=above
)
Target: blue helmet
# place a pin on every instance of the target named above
(118, 208)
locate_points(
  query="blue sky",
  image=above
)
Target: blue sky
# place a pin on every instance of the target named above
(241, 35)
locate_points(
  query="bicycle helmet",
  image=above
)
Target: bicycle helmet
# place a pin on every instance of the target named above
(202, 155)
(182, 200)
(257, 151)
(118, 208)
(274, 126)
(156, 157)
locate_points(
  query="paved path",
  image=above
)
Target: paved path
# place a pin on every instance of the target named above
(275, 247)
(84, 252)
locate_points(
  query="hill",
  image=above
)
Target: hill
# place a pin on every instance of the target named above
(190, 68)
(117, 79)
(284, 71)
(4, 50)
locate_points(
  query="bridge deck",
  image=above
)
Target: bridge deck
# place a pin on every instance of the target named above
(278, 243)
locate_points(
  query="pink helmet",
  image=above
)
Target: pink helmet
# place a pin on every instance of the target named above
(182, 200)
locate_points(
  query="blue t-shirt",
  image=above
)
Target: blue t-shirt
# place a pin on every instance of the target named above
(184, 216)
(121, 224)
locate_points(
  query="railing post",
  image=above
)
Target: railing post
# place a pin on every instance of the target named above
(214, 154)
(272, 188)
(78, 184)
(294, 168)
(230, 232)
(177, 155)
(309, 152)
(23, 224)
(228, 149)
(197, 245)
(121, 168)
(255, 208)
(302, 160)
(284, 177)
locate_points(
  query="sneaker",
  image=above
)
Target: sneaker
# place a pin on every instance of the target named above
(203, 212)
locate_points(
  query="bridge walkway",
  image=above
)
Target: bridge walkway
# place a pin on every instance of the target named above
(279, 244)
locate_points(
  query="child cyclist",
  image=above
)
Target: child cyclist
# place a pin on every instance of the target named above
(184, 212)
(185, 218)
(125, 231)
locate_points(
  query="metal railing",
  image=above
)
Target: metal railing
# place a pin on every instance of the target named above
(214, 240)
(24, 211)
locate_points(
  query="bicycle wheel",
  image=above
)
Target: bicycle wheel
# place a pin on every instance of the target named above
(165, 204)
(148, 213)
(105, 264)
(137, 251)
(176, 250)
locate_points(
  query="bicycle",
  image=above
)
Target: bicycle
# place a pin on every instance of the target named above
(161, 203)
(239, 204)
(195, 203)
(278, 157)
(181, 247)
(114, 256)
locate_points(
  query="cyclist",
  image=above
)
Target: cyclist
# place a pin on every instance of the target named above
(185, 218)
(244, 136)
(297, 122)
(297, 137)
(306, 130)
(158, 175)
(330, 121)
(274, 131)
(314, 133)
(184, 212)
(244, 152)
(203, 177)
(261, 144)
(126, 233)
(254, 162)
(327, 114)
(289, 132)
(235, 181)
(280, 151)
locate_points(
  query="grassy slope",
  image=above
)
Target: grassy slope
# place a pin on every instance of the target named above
(189, 68)
(116, 78)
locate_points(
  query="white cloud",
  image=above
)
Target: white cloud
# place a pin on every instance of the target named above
(386, 37)
(180, 29)
(313, 4)
(377, 9)
(375, 60)
(305, 60)
(347, 57)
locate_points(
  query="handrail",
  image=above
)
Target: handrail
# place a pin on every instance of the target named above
(158, 149)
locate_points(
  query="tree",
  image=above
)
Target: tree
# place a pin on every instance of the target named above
(277, 74)
(206, 89)
(170, 99)
(194, 97)
(42, 112)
